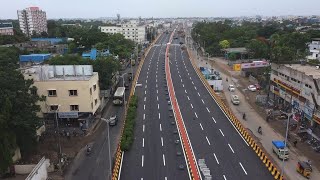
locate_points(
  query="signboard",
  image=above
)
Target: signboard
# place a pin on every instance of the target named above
(308, 110)
(237, 67)
(287, 86)
(71, 114)
(255, 64)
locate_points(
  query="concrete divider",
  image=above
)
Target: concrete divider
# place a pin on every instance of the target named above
(237, 124)
(119, 153)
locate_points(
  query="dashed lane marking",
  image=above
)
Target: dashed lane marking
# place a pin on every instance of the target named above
(198, 94)
(164, 160)
(159, 118)
(142, 142)
(144, 116)
(142, 160)
(143, 127)
(191, 106)
(224, 177)
(201, 126)
(161, 141)
(202, 101)
(231, 148)
(208, 141)
(160, 127)
(221, 132)
(243, 169)
(216, 158)
(196, 114)
(214, 120)
(208, 110)
(188, 98)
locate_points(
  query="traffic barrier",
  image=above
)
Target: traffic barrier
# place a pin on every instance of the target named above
(235, 121)
(116, 166)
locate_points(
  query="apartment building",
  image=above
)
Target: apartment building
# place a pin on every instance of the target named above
(130, 30)
(32, 20)
(6, 29)
(298, 85)
(314, 49)
(71, 91)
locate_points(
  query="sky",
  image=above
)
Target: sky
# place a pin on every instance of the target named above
(161, 8)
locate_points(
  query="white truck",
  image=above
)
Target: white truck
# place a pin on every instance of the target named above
(278, 147)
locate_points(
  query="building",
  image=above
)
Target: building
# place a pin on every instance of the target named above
(94, 53)
(53, 41)
(314, 49)
(39, 46)
(129, 30)
(297, 86)
(6, 29)
(32, 20)
(32, 59)
(71, 92)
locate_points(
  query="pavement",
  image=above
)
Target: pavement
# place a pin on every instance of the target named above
(254, 120)
(156, 152)
(96, 165)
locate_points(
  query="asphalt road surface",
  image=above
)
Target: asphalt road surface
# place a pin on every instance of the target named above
(156, 153)
(212, 135)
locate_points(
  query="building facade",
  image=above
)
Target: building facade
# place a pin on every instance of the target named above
(32, 20)
(129, 30)
(297, 86)
(6, 29)
(314, 49)
(71, 91)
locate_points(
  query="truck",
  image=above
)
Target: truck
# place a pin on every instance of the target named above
(279, 148)
(118, 96)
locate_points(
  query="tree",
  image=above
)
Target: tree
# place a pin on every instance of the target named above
(18, 120)
(224, 44)
(258, 49)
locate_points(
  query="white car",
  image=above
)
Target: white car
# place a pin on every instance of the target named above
(231, 88)
(235, 99)
(252, 88)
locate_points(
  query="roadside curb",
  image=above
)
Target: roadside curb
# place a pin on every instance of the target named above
(119, 154)
(237, 124)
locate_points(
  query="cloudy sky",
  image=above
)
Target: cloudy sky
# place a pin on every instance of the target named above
(161, 8)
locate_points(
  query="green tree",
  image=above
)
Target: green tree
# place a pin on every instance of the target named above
(258, 49)
(224, 44)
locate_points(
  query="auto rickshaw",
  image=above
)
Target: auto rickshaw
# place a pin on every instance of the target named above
(304, 168)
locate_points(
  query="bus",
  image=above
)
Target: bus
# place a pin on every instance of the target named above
(118, 97)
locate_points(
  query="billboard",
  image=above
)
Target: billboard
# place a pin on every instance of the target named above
(237, 67)
(255, 64)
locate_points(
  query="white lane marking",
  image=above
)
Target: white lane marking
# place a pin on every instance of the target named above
(192, 82)
(158, 106)
(147, 76)
(202, 101)
(159, 118)
(157, 98)
(231, 148)
(146, 81)
(208, 110)
(145, 98)
(142, 160)
(196, 114)
(221, 132)
(145, 86)
(201, 126)
(144, 107)
(156, 85)
(142, 142)
(188, 98)
(216, 158)
(143, 127)
(182, 85)
(190, 78)
(161, 141)
(156, 80)
(160, 127)
(157, 91)
(198, 94)
(178, 72)
(145, 92)
(214, 120)
(188, 74)
(243, 169)
(165, 178)
(156, 76)
(144, 116)
(185, 91)
(191, 106)
(164, 160)
(181, 80)
(141, 179)
(208, 141)
(224, 177)
(195, 88)
(179, 76)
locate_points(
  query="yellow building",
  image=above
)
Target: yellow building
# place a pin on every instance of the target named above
(71, 91)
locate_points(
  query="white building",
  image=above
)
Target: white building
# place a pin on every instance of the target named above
(314, 49)
(129, 30)
(6, 29)
(31, 20)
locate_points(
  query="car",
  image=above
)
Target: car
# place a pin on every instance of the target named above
(252, 88)
(231, 88)
(258, 87)
(235, 99)
(113, 120)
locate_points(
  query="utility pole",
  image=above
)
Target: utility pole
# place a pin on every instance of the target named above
(59, 144)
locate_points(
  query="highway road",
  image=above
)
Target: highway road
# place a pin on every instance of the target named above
(156, 153)
(212, 135)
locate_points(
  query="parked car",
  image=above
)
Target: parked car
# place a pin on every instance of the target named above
(252, 88)
(113, 120)
(258, 87)
(231, 88)
(235, 99)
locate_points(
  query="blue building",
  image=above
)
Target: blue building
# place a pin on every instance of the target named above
(34, 58)
(53, 41)
(94, 53)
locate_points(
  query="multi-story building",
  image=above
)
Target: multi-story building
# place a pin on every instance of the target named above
(314, 49)
(32, 20)
(6, 29)
(71, 91)
(129, 30)
(297, 86)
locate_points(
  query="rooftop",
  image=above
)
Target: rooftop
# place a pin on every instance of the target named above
(6, 25)
(236, 50)
(306, 69)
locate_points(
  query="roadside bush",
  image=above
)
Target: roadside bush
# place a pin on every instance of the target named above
(128, 131)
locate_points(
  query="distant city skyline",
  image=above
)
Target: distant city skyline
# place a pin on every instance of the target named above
(165, 8)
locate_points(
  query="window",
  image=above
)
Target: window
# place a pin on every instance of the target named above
(74, 107)
(73, 93)
(53, 107)
(94, 87)
(90, 91)
(33, 91)
(52, 93)
(95, 101)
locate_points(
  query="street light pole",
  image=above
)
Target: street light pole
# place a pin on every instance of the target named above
(286, 139)
(108, 121)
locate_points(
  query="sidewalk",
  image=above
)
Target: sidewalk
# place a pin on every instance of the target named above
(254, 120)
